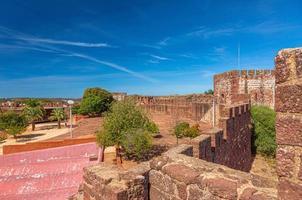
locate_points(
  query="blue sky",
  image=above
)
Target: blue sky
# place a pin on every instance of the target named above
(158, 47)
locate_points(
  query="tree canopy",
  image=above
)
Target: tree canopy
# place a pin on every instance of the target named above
(12, 123)
(33, 111)
(58, 114)
(126, 125)
(95, 101)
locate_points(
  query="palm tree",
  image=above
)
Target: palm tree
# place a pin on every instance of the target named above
(33, 112)
(58, 114)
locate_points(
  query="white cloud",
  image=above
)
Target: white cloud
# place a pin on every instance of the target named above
(41, 44)
(159, 57)
(64, 42)
(164, 41)
(266, 27)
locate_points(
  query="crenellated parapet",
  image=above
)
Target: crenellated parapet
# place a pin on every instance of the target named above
(243, 86)
(228, 144)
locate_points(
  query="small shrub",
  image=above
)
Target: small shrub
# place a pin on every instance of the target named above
(183, 129)
(136, 143)
(264, 134)
(192, 132)
(152, 128)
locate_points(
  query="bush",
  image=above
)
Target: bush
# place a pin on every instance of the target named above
(95, 101)
(152, 128)
(263, 138)
(183, 129)
(12, 123)
(136, 143)
(123, 119)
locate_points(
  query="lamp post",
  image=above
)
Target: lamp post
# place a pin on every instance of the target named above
(70, 103)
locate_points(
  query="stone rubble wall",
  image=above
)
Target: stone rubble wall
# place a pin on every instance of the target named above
(177, 175)
(108, 182)
(230, 144)
(288, 65)
(242, 86)
(197, 107)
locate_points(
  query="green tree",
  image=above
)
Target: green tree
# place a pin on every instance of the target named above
(264, 133)
(95, 101)
(123, 119)
(33, 112)
(12, 123)
(180, 130)
(210, 91)
(58, 115)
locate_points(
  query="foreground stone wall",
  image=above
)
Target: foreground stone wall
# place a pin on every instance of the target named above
(197, 107)
(244, 86)
(289, 123)
(108, 182)
(176, 175)
(230, 144)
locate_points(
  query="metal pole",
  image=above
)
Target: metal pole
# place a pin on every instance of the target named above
(70, 126)
(213, 113)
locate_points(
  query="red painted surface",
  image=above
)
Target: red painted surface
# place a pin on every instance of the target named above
(44, 174)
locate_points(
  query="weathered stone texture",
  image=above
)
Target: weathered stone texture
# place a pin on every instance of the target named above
(289, 129)
(183, 177)
(108, 182)
(285, 161)
(289, 122)
(289, 98)
(289, 190)
(243, 86)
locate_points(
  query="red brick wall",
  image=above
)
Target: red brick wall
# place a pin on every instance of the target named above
(9, 149)
(288, 97)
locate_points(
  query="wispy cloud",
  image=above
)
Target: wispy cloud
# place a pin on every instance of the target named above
(154, 61)
(207, 32)
(64, 42)
(36, 43)
(266, 27)
(8, 46)
(159, 57)
(164, 41)
(150, 46)
(188, 55)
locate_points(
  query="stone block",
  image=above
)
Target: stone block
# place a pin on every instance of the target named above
(289, 98)
(194, 192)
(288, 65)
(181, 173)
(285, 161)
(158, 162)
(221, 187)
(288, 190)
(162, 181)
(289, 129)
(247, 193)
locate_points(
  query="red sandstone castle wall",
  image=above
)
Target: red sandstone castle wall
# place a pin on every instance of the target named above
(242, 86)
(230, 144)
(192, 107)
(288, 65)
